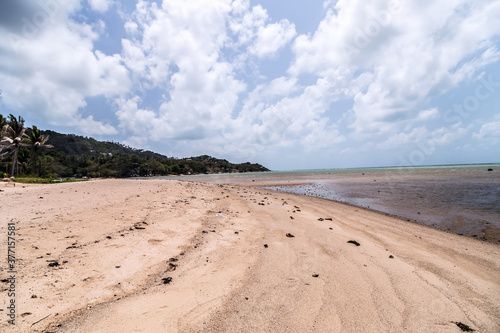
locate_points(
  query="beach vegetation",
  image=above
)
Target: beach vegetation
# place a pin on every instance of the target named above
(12, 139)
(43, 154)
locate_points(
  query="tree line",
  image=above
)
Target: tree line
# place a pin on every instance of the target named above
(22, 144)
(33, 152)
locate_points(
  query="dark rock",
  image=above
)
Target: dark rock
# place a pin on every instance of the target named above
(266, 246)
(315, 275)
(236, 232)
(321, 219)
(137, 227)
(289, 235)
(292, 218)
(464, 327)
(204, 232)
(490, 169)
(166, 280)
(354, 242)
(173, 259)
(53, 264)
(331, 228)
(328, 219)
(391, 256)
(108, 237)
(34, 296)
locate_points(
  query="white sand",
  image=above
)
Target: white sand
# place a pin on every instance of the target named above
(226, 280)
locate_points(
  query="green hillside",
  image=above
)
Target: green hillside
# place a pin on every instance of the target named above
(51, 154)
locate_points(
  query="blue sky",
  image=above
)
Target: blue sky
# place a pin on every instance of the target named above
(288, 84)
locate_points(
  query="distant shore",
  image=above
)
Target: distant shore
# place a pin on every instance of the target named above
(169, 256)
(462, 199)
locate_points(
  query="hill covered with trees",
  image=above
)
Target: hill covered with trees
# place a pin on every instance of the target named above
(32, 152)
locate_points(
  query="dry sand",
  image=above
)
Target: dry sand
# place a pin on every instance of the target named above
(113, 240)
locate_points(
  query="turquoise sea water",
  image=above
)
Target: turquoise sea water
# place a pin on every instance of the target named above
(464, 199)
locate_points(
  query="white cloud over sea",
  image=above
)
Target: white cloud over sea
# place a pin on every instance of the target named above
(330, 84)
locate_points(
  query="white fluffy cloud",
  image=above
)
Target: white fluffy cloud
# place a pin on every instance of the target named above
(100, 5)
(229, 78)
(411, 51)
(49, 73)
(489, 131)
(272, 37)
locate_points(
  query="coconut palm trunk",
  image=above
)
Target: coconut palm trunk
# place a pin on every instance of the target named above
(37, 141)
(12, 140)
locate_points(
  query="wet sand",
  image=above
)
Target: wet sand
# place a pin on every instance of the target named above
(462, 199)
(170, 256)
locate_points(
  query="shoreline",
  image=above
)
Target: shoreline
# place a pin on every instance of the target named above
(232, 265)
(490, 235)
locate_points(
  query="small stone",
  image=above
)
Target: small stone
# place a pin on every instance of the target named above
(391, 256)
(464, 327)
(289, 235)
(266, 246)
(315, 275)
(353, 242)
(166, 280)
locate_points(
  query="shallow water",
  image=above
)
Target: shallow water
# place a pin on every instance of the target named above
(461, 199)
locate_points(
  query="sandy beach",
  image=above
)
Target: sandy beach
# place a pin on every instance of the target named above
(173, 256)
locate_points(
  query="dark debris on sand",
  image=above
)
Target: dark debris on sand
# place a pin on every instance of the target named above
(464, 327)
(353, 242)
(289, 235)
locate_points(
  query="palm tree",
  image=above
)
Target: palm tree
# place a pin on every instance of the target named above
(12, 140)
(37, 141)
(3, 121)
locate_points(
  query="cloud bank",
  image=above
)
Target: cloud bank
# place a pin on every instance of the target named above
(226, 78)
